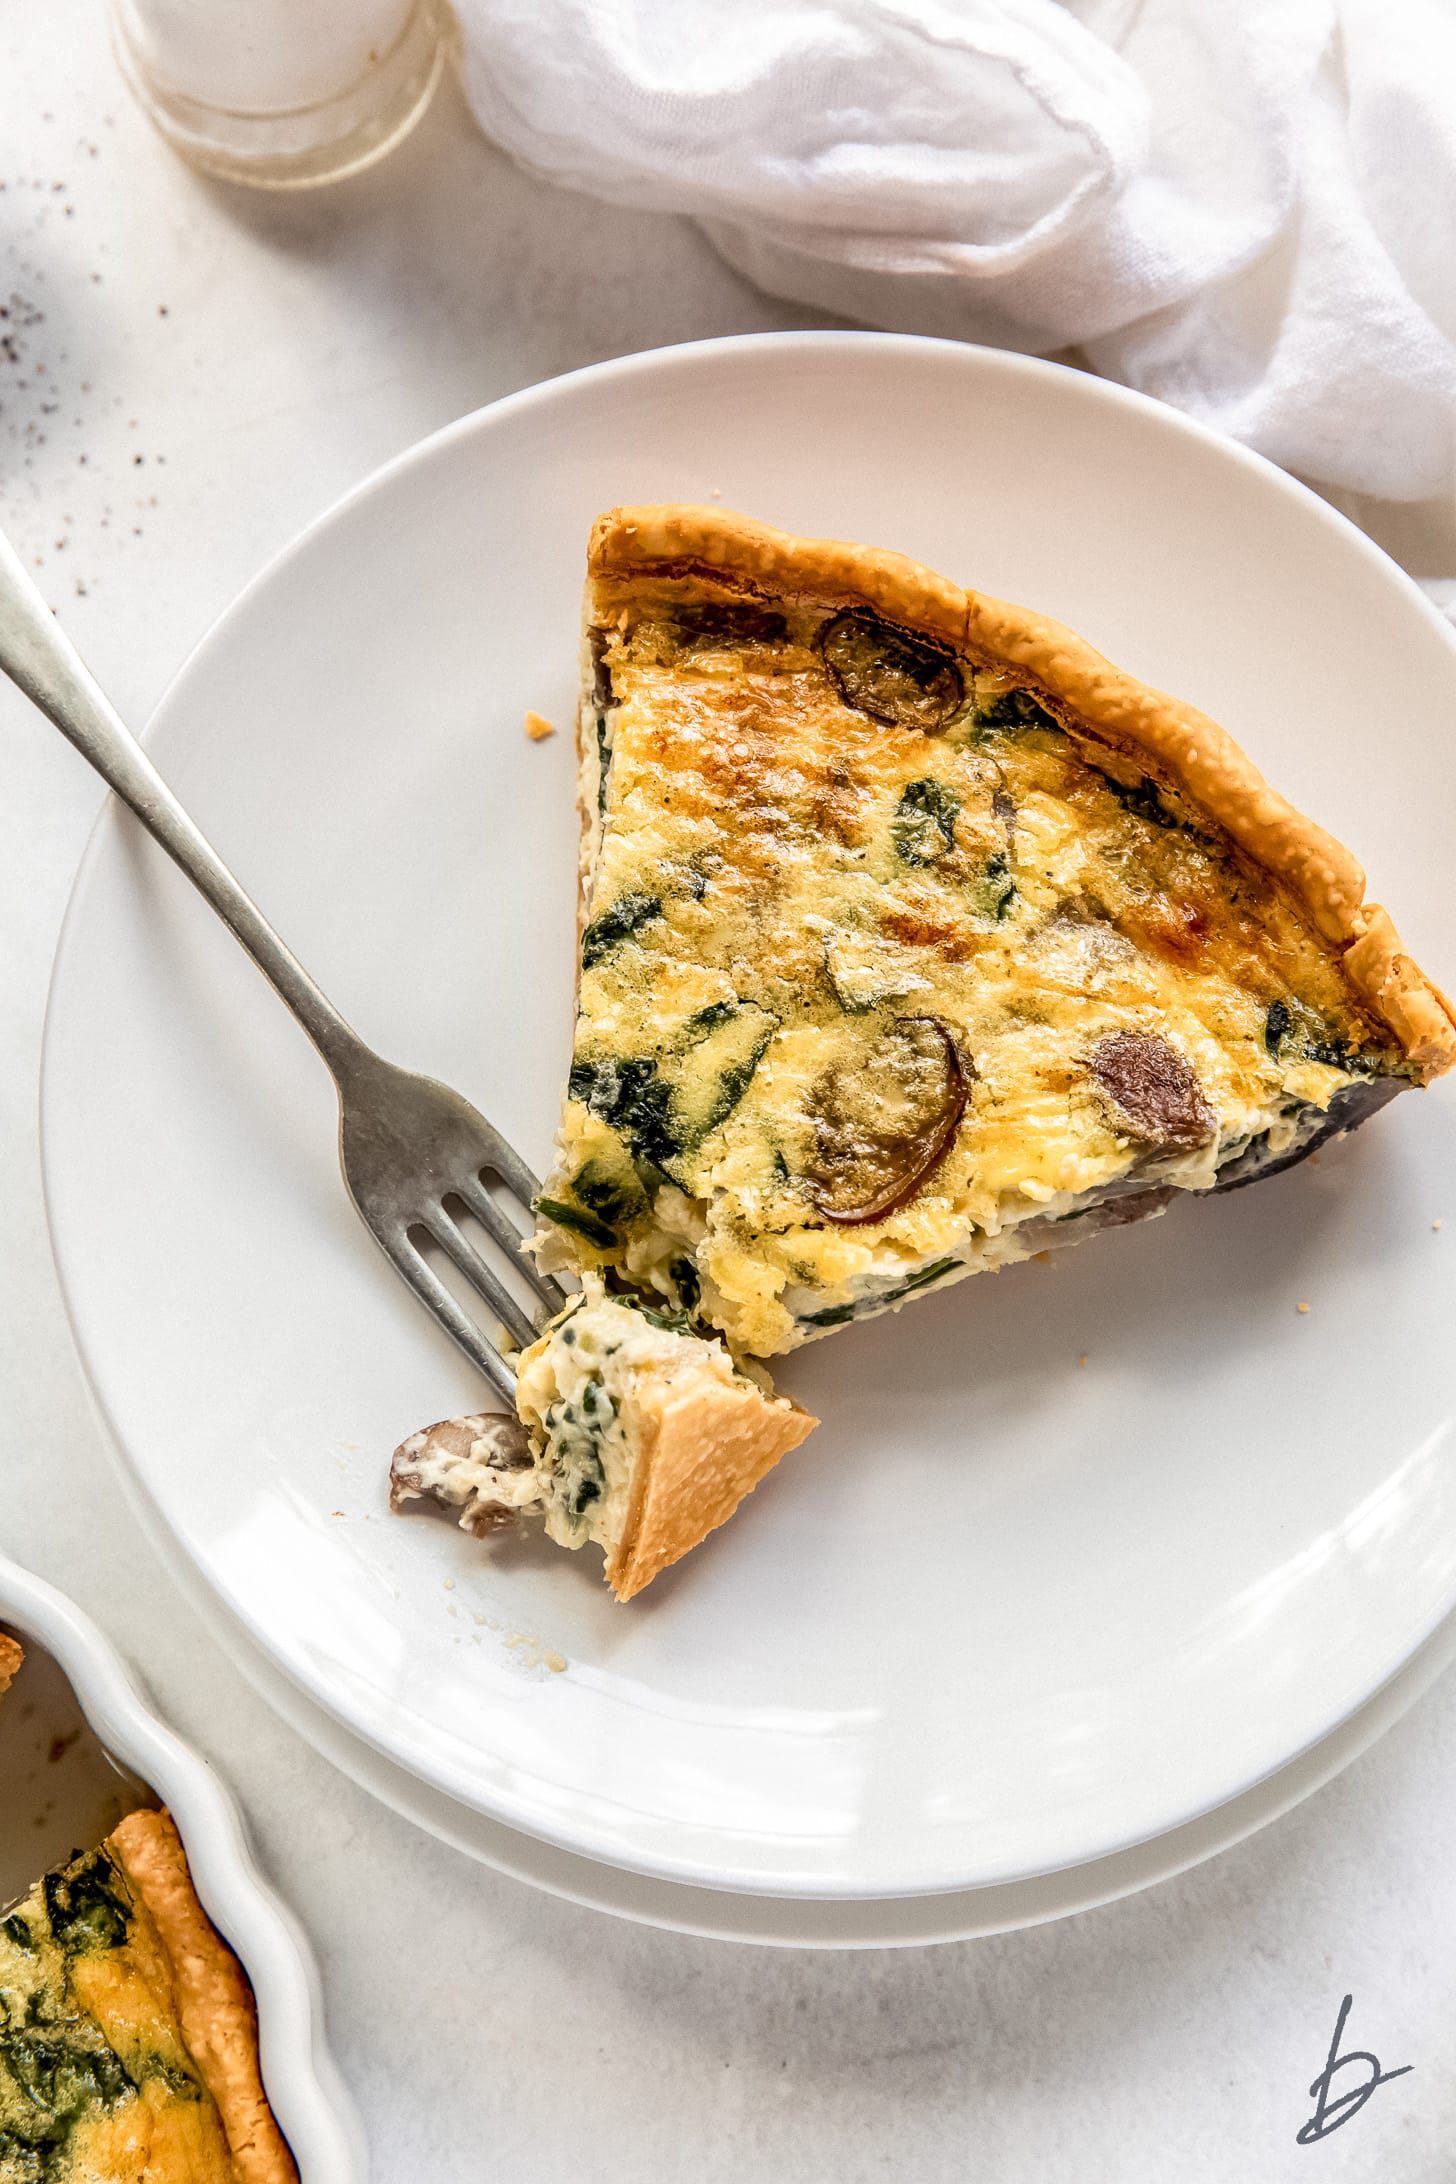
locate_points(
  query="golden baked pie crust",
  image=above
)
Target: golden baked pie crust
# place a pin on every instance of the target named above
(215, 2008)
(707, 1448)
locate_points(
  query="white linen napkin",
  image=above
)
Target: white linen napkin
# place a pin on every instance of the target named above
(1245, 207)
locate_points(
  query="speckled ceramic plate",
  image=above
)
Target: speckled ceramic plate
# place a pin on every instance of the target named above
(1008, 1612)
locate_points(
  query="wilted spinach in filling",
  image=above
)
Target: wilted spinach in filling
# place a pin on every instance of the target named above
(60, 2069)
(923, 827)
(575, 1433)
(626, 916)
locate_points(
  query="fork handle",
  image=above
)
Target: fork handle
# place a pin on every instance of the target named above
(36, 653)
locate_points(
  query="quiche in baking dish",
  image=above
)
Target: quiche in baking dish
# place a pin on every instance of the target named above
(128, 2037)
(916, 938)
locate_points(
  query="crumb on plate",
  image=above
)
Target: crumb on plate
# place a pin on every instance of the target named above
(538, 727)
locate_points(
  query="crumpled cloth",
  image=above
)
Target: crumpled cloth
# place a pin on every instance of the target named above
(1244, 207)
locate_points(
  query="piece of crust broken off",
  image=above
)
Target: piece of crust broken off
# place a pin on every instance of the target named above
(637, 1433)
(915, 938)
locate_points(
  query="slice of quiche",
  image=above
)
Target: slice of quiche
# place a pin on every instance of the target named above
(128, 2035)
(637, 1432)
(915, 938)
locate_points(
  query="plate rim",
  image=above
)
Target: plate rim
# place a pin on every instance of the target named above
(971, 1914)
(1177, 425)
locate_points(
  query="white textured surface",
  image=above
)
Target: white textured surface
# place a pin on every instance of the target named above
(488, 2031)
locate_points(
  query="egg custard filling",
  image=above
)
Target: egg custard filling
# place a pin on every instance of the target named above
(915, 938)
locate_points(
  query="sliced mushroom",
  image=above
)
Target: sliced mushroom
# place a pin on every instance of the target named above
(478, 1465)
(883, 1129)
(897, 679)
(1157, 1096)
(598, 640)
(730, 621)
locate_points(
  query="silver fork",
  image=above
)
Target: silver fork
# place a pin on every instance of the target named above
(407, 1144)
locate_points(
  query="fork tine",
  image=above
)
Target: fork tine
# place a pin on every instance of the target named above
(437, 1300)
(512, 1170)
(479, 1274)
(492, 1217)
(497, 1223)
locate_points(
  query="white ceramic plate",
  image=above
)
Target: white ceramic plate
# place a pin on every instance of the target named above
(800, 1922)
(1006, 1613)
(304, 2088)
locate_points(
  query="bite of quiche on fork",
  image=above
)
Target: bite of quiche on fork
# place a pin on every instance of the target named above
(916, 938)
(128, 2030)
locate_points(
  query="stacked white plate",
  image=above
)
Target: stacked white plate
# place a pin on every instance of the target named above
(1014, 1631)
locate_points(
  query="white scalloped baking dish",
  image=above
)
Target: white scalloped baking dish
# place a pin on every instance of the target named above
(302, 2081)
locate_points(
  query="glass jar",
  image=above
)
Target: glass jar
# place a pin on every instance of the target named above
(283, 94)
